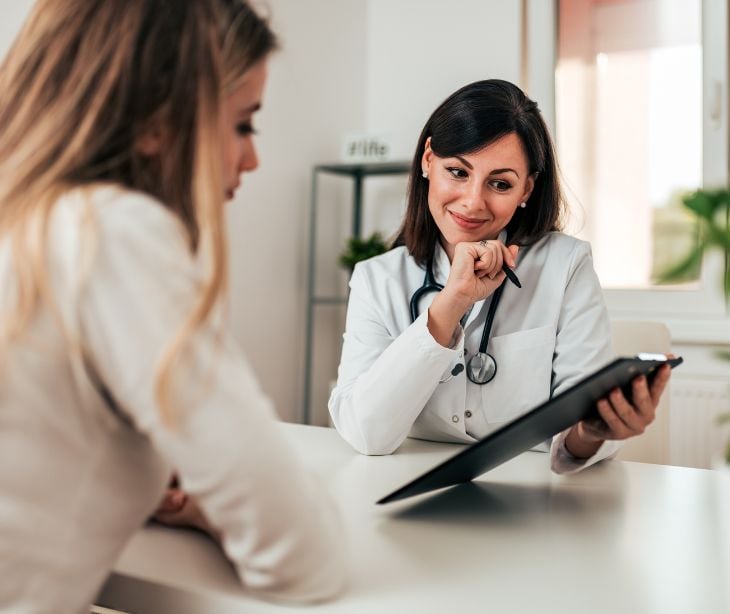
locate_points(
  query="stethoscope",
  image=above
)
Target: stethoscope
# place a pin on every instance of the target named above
(482, 367)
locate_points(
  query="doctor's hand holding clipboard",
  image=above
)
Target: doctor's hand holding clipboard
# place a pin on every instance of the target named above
(483, 308)
(620, 418)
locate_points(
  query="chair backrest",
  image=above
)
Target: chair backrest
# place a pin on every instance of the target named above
(631, 337)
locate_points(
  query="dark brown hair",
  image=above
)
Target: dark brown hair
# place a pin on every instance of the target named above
(470, 119)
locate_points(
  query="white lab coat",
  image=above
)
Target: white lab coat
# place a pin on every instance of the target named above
(545, 337)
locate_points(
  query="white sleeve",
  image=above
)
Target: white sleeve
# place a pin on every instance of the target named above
(279, 528)
(384, 381)
(583, 345)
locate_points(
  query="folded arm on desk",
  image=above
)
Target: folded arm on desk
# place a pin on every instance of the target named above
(224, 443)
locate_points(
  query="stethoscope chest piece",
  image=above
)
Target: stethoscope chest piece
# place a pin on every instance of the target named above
(481, 368)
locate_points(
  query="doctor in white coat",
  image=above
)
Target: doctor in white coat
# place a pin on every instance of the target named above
(439, 343)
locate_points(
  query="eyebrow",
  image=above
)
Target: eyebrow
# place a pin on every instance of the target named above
(499, 171)
(252, 109)
(496, 171)
(464, 162)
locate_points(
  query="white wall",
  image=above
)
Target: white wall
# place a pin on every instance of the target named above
(419, 52)
(12, 15)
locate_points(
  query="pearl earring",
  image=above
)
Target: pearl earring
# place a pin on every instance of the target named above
(425, 175)
(523, 205)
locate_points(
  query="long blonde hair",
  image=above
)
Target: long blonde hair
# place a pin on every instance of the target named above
(82, 82)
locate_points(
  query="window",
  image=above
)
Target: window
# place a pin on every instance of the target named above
(640, 118)
(628, 101)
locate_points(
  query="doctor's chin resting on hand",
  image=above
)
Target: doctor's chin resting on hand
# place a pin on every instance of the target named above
(483, 308)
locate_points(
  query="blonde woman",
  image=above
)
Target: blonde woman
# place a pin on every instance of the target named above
(123, 128)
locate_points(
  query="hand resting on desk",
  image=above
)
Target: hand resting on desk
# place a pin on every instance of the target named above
(178, 509)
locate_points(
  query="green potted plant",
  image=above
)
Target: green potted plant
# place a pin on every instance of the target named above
(361, 249)
(711, 209)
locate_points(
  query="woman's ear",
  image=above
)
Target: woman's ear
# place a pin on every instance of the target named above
(427, 158)
(149, 143)
(529, 187)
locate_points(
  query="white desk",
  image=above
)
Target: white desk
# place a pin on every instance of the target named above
(617, 538)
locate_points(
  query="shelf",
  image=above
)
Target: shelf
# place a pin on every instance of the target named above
(357, 172)
(365, 169)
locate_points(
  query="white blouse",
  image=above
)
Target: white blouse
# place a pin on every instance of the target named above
(395, 380)
(77, 478)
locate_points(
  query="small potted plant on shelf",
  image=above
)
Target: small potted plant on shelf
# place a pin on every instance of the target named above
(711, 209)
(361, 249)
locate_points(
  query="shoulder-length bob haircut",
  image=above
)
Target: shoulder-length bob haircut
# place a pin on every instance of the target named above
(470, 119)
(84, 80)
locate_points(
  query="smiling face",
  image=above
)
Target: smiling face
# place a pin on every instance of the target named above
(474, 196)
(238, 108)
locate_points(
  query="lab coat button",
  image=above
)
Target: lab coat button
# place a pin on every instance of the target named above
(467, 413)
(454, 418)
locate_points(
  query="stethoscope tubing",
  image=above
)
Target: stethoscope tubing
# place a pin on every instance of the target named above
(429, 285)
(476, 373)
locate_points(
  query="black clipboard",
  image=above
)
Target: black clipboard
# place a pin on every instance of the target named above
(539, 424)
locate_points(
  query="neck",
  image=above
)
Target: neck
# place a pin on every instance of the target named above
(448, 248)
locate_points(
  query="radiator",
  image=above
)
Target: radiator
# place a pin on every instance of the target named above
(695, 437)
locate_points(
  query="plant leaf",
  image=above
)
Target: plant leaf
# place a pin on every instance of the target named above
(723, 354)
(717, 235)
(361, 249)
(702, 202)
(682, 269)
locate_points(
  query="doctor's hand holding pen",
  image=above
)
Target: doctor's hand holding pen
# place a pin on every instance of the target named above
(477, 270)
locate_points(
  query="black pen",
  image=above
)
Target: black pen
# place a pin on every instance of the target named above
(511, 275)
